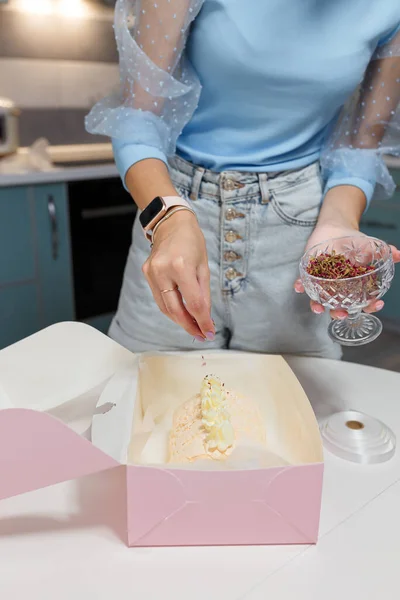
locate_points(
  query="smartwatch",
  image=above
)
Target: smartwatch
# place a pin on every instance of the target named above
(157, 209)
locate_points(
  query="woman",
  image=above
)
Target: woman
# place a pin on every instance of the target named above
(253, 113)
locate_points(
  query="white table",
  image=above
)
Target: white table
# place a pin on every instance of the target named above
(66, 542)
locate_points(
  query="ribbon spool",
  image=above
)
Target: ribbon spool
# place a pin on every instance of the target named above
(357, 437)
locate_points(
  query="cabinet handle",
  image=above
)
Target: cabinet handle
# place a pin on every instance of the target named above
(51, 207)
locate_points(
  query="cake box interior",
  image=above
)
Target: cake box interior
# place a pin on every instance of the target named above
(167, 505)
(205, 503)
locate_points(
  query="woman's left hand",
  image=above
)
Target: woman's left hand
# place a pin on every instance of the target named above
(326, 232)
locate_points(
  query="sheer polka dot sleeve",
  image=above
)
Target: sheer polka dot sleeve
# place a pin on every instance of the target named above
(368, 128)
(159, 90)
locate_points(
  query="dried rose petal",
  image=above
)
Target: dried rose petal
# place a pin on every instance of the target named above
(335, 266)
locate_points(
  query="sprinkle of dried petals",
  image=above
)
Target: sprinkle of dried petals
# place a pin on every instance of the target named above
(335, 266)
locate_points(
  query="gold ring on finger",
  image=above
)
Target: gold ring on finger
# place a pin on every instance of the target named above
(170, 290)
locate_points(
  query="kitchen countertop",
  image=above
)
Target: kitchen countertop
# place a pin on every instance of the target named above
(68, 540)
(60, 174)
(91, 170)
(393, 162)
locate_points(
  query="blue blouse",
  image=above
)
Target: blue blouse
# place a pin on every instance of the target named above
(258, 86)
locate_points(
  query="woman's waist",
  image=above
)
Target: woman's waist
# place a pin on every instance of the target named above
(231, 185)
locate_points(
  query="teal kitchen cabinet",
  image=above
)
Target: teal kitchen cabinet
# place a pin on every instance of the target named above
(17, 238)
(19, 299)
(35, 265)
(382, 221)
(19, 312)
(53, 253)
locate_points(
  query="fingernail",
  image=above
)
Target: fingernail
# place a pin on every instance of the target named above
(210, 336)
(379, 305)
(341, 317)
(198, 338)
(298, 291)
(318, 310)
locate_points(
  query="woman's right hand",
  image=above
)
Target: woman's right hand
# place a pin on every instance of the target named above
(179, 260)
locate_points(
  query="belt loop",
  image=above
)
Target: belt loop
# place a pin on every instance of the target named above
(263, 182)
(196, 181)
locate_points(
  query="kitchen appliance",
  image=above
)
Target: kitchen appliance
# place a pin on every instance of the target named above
(101, 221)
(9, 127)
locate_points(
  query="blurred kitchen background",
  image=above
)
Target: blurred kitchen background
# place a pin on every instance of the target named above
(65, 219)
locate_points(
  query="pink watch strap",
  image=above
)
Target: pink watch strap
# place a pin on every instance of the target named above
(171, 201)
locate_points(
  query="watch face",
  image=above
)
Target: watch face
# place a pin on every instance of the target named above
(151, 211)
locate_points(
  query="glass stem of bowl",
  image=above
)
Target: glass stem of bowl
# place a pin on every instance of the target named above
(354, 318)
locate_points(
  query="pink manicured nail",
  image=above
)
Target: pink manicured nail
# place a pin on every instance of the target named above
(198, 338)
(210, 336)
(298, 291)
(379, 305)
(341, 317)
(318, 310)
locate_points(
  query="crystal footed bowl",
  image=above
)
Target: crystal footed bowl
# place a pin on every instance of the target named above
(349, 273)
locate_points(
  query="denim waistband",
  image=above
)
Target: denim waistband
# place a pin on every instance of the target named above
(232, 186)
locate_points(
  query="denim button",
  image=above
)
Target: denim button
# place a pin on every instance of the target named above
(230, 214)
(231, 273)
(231, 236)
(229, 185)
(231, 256)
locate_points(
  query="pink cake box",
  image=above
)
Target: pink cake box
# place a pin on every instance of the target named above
(166, 506)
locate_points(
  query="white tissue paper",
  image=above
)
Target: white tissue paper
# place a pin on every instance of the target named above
(137, 429)
(35, 158)
(151, 446)
(5, 401)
